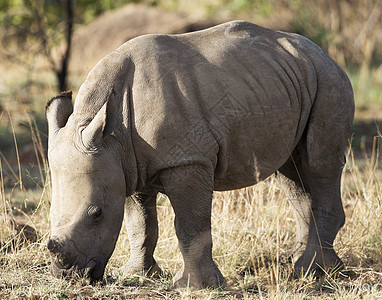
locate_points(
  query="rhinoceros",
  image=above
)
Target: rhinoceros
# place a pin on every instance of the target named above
(186, 115)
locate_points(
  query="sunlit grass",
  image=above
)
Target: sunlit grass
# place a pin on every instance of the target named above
(367, 88)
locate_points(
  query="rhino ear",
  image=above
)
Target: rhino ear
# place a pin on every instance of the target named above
(57, 111)
(102, 124)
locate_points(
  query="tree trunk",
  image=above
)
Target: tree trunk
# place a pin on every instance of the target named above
(62, 71)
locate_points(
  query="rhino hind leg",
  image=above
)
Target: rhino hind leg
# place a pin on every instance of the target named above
(327, 217)
(297, 190)
(317, 208)
(322, 150)
(190, 189)
(142, 228)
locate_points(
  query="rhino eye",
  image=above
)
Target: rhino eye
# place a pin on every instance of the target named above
(95, 212)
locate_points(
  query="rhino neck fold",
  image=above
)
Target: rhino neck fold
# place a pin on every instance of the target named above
(116, 72)
(129, 160)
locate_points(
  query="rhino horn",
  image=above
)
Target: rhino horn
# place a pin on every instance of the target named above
(102, 124)
(58, 110)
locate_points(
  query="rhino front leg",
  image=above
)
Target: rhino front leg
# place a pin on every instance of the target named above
(142, 228)
(190, 190)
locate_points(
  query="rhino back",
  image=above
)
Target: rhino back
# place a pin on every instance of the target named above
(236, 96)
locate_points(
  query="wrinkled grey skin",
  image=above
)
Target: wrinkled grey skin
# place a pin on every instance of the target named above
(184, 115)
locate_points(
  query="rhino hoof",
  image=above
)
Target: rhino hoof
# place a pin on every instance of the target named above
(212, 279)
(134, 269)
(329, 264)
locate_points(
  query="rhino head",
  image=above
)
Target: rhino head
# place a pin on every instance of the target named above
(88, 189)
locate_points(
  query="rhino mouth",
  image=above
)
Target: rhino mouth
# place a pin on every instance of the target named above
(92, 270)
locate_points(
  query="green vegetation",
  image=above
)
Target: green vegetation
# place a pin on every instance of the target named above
(253, 228)
(21, 13)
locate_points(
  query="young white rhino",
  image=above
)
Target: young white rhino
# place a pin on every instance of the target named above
(185, 115)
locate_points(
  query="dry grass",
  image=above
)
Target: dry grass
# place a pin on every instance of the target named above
(252, 228)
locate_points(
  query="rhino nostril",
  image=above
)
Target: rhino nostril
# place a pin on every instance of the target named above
(53, 246)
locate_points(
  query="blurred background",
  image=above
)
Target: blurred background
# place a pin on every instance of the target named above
(50, 45)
